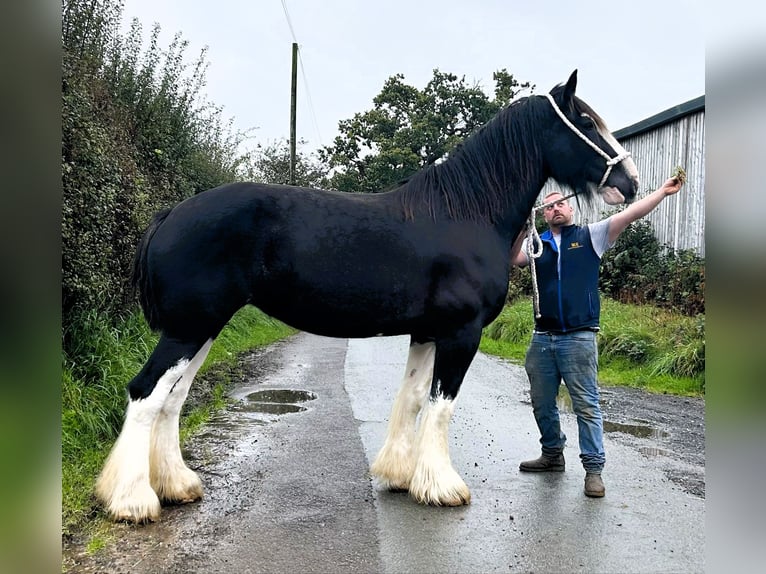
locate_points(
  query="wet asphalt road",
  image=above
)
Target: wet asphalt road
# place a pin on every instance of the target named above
(290, 492)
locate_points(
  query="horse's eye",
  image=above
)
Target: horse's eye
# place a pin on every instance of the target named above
(588, 121)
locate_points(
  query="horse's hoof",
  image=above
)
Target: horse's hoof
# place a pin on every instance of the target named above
(133, 519)
(184, 487)
(135, 513)
(397, 489)
(454, 498)
(389, 482)
(131, 501)
(183, 499)
(450, 490)
(457, 499)
(392, 476)
(392, 485)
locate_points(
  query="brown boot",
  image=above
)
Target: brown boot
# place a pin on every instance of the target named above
(544, 464)
(594, 486)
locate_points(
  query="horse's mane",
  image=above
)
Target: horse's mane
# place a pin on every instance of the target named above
(490, 170)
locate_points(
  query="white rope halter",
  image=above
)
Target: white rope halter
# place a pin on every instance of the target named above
(610, 162)
(533, 252)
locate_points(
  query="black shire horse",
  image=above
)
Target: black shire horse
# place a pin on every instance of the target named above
(430, 258)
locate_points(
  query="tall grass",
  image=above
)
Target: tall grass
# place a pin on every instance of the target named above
(102, 358)
(639, 346)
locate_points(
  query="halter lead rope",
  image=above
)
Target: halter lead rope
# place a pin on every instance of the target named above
(533, 252)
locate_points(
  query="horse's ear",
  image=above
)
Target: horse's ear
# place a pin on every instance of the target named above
(569, 89)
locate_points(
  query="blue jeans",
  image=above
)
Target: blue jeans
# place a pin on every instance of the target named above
(572, 357)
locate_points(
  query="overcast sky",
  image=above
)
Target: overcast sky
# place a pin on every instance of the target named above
(633, 59)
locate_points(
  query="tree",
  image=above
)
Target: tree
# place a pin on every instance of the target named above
(137, 135)
(408, 129)
(271, 164)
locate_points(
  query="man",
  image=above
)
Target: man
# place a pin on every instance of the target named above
(564, 340)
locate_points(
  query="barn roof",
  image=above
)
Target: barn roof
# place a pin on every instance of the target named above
(662, 118)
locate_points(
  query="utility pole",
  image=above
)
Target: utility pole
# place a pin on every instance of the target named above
(293, 94)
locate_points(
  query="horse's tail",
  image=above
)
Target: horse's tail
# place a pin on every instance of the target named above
(142, 279)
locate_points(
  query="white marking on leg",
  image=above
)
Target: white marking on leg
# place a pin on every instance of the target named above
(395, 463)
(170, 478)
(435, 481)
(123, 485)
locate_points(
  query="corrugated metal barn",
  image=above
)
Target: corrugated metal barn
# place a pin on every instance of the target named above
(674, 137)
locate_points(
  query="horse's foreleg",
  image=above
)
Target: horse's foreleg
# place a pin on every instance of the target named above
(123, 485)
(169, 476)
(395, 463)
(434, 480)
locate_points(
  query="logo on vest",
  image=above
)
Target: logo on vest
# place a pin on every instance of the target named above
(575, 245)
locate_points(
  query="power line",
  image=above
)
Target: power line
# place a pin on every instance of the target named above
(308, 98)
(289, 22)
(303, 72)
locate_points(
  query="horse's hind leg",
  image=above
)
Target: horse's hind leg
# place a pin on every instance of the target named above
(169, 476)
(124, 485)
(395, 463)
(434, 480)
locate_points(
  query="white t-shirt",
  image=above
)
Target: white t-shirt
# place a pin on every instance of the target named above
(599, 236)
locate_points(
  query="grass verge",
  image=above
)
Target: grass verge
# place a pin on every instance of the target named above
(639, 346)
(103, 358)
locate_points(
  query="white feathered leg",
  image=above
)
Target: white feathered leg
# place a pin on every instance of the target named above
(435, 481)
(123, 485)
(169, 476)
(395, 463)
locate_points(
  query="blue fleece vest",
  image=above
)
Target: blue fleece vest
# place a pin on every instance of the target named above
(569, 301)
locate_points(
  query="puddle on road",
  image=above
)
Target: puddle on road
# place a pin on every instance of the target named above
(274, 401)
(652, 451)
(259, 408)
(640, 430)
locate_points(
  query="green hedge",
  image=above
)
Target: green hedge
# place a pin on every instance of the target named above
(136, 137)
(639, 270)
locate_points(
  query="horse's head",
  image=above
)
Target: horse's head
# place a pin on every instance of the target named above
(584, 155)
